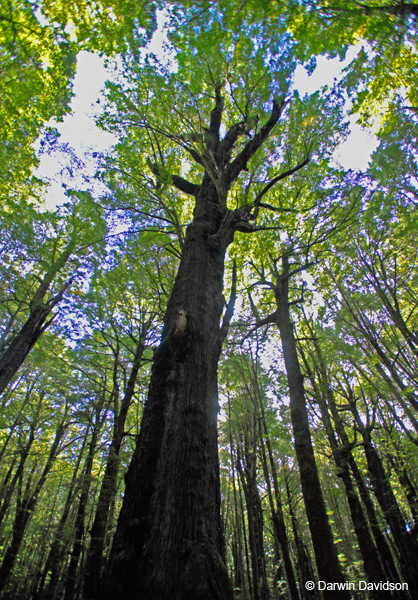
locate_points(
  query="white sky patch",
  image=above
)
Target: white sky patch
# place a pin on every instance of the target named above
(160, 44)
(355, 152)
(78, 129)
(80, 132)
(327, 70)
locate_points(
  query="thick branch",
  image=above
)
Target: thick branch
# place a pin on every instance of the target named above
(230, 306)
(181, 184)
(288, 274)
(185, 186)
(229, 140)
(269, 320)
(398, 10)
(237, 165)
(216, 114)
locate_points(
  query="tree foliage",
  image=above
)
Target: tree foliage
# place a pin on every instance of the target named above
(227, 249)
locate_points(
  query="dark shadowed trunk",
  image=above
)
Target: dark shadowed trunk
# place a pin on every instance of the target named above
(329, 569)
(168, 544)
(22, 343)
(341, 450)
(25, 505)
(107, 494)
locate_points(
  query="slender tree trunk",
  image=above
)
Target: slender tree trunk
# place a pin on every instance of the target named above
(71, 580)
(279, 529)
(94, 561)
(41, 549)
(255, 520)
(11, 488)
(15, 424)
(277, 517)
(55, 556)
(305, 568)
(19, 347)
(406, 545)
(370, 336)
(368, 551)
(409, 491)
(380, 540)
(25, 507)
(245, 538)
(19, 527)
(240, 569)
(329, 569)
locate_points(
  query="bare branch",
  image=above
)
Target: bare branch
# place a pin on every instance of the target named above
(230, 306)
(279, 178)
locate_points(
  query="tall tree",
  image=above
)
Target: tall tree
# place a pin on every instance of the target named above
(168, 542)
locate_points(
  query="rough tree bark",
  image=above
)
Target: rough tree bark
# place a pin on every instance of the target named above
(168, 542)
(327, 563)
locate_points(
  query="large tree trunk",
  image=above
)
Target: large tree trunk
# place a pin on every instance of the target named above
(168, 544)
